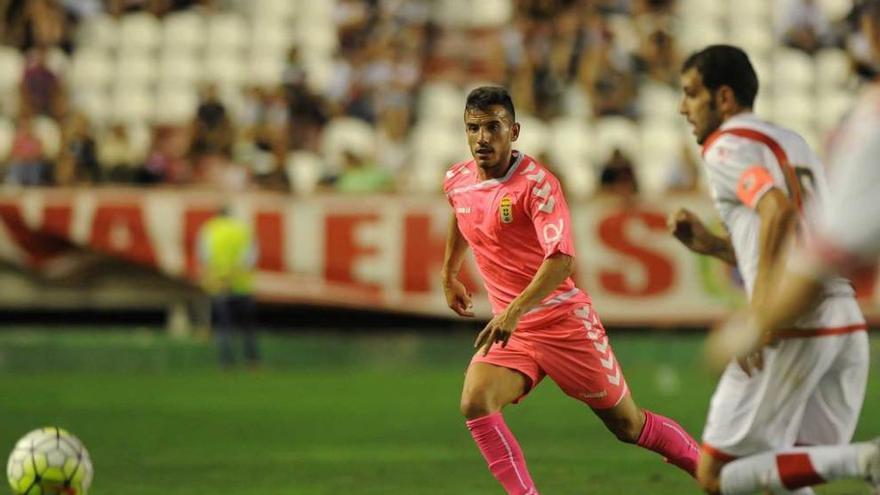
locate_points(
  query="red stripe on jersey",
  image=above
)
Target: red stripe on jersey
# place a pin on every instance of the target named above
(717, 454)
(781, 157)
(800, 333)
(797, 471)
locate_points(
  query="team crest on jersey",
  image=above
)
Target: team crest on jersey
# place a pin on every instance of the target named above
(506, 209)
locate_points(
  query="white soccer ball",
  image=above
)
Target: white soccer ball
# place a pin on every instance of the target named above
(49, 461)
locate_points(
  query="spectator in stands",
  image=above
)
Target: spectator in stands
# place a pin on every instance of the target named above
(78, 161)
(166, 160)
(618, 176)
(804, 26)
(40, 87)
(117, 156)
(608, 76)
(212, 133)
(37, 24)
(227, 255)
(684, 170)
(27, 162)
(307, 111)
(360, 174)
(657, 59)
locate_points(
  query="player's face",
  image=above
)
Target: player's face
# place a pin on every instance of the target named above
(490, 134)
(698, 106)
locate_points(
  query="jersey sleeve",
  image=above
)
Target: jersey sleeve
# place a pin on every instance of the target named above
(546, 207)
(737, 171)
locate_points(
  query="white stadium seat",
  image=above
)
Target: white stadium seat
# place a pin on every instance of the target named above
(90, 69)
(658, 101)
(7, 134)
(139, 32)
(304, 170)
(792, 70)
(175, 105)
(131, 105)
(661, 142)
(831, 108)
(49, 134)
(346, 133)
(440, 102)
(227, 31)
(795, 110)
(282, 10)
(265, 69)
(616, 133)
(269, 38)
(99, 32)
(93, 102)
(534, 139)
(223, 68)
(179, 69)
(490, 13)
(183, 31)
(316, 38)
(11, 68)
(832, 69)
(135, 68)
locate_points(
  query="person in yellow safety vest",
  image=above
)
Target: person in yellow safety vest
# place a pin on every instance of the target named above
(227, 255)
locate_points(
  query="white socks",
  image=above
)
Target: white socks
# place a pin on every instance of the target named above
(788, 471)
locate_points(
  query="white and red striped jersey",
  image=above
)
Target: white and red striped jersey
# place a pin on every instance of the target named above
(747, 157)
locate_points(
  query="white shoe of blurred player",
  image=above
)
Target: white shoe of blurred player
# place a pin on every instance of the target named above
(871, 461)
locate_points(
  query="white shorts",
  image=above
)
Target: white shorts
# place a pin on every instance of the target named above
(810, 392)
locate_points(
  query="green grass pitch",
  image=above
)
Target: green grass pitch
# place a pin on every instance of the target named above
(334, 413)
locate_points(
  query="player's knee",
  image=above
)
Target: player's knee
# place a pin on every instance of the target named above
(477, 404)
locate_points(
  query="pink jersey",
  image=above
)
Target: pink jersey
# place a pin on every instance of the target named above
(513, 224)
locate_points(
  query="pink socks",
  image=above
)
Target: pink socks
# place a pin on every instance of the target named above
(502, 453)
(667, 438)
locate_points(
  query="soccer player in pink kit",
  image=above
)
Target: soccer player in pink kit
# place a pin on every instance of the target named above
(511, 211)
(808, 388)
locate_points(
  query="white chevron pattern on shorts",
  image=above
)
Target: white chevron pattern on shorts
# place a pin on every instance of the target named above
(601, 346)
(614, 380)
(607, 363)
(582, 312)
(592, 335)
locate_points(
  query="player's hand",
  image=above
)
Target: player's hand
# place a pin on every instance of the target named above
(499, 329)
(751, 363)
(458, 298)
(735, 338)
(685, 226)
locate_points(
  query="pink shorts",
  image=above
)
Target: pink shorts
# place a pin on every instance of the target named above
(573, 350)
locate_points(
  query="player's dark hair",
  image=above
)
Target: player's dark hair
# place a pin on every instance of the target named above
(484, 97)
(725, 65)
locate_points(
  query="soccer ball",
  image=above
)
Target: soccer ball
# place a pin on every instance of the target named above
(49, 461)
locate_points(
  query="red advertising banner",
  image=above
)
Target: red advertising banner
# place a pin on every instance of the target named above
(378, 252)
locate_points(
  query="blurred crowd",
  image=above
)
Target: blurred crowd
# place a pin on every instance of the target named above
(552, 54)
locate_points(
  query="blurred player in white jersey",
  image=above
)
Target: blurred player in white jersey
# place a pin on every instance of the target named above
(847, 229)
(808, 388)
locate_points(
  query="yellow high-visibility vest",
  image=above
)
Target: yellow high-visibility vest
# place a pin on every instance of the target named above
(227, 252)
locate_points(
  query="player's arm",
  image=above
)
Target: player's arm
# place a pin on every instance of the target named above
(457, 296)
(690, 230)
(552, 272)
(778, 218)
(551, 220)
